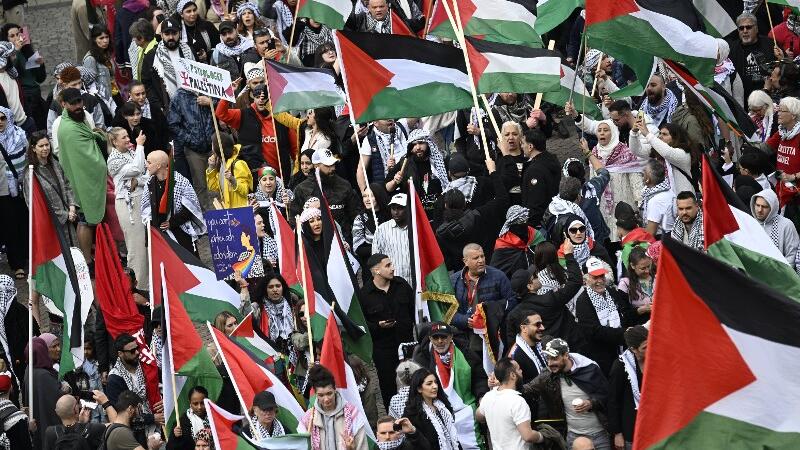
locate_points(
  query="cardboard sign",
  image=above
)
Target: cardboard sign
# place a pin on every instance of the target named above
(234, 243)
(206, 80)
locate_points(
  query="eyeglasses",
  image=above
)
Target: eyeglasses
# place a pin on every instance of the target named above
(577, 230)
(745, 27)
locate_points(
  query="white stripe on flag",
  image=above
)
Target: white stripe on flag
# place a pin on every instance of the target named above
(409, 74)
(751, 235)
(687, 42)
(502, 10)
(544, 65)
(308, 81)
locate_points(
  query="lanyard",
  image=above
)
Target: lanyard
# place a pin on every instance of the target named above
(472, 288)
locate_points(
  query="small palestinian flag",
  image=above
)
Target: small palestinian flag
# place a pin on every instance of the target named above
(723, 356)
(487, 320)
(733, 236)
(581, 97)
(552, 13)
(508, 21)
(287, 258)
(299, 88)
(389, 76)
(628, 29)
(793, 4)
(202, 294)
(718, 15)
(498, 67)
(333, 13)
(61, 275)
(248, 335)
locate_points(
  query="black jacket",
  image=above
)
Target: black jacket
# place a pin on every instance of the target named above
(621, 408)
(472, 148)
(156, 132)
(603, 342)
(154, 85)
(539, 185)
(552, 307)
(345, 204)
(426, 436)
(395, 304)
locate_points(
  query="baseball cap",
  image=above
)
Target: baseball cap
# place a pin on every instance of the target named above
(459, 164)
(324, 157)
(170, 25)
(440, 329)
(265, 400)
(519, 279)
(71, 95)
(556, 347)
(595, 267)
(226, 25)
(399, 199)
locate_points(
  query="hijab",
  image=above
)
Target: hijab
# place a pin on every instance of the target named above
(607, 149)
(41, 355)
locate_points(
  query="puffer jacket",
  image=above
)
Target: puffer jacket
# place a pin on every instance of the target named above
(189, 123)
(234, 195)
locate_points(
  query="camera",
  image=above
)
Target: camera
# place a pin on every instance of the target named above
(86, 395)
(397, 427)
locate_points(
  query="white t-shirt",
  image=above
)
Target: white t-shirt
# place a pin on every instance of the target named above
(660, 209)
(504, 410)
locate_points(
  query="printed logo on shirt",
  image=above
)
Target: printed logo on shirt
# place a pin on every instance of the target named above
(336, 206)
(269, 140)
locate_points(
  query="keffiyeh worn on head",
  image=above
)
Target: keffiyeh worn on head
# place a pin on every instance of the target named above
(436, 158)
(549, 282)
(466, 185)
(6, 49)
(247, 6)
(592, 60)
(310, 202)
(516, 214)
(310, 213)
(182, 4)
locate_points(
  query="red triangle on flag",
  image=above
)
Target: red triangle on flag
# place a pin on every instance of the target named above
(372, 77)
(182, 278)
(332, 354)
(276, 83)
(246, 373)
(691, 361)
(718, 219)
(45, 246)
(603, 10)
(399, 27)
(478, 62)
(184, 340)
(245, 327)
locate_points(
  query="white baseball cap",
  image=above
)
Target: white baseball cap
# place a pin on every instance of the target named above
(323, 156)
(595, 267)
(399, 199)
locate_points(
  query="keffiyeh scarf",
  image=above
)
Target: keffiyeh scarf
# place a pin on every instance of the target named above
(763, 125)
(723, 71)
(165, 68)
(281, 322)
(391, 445)
(6, 49)
(8, 292)
(466, 185)
(443, 423)
(696, 237)
(138, 386)
(156, 346)
(198, 423)
(269, 249)
(436, 159)
(518, 112)
(398, 402)
(263, 433)
(14, 146)
(605, 308)
(793, 23)
(245, 6)
(649, 192)
(232, 52)
(285, 18)
(549, 283)
(660, 113)
(515, 215)
(788, 134)
(628, 360)
(534, 354)
(384, 26)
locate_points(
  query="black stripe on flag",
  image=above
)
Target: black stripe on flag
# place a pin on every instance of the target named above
(519, 51)
(738, 301)
(682, 10)
(530, 5)
(285, 68)
(392, 46)
(730, 196)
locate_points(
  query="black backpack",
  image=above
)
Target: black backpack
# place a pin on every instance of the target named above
(74, 438)
(107, 434)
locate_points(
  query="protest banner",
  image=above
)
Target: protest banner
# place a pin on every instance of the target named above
(234, 243)
(206, 80)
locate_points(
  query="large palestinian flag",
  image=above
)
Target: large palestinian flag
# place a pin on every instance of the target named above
(61, 275)
(434, 297)
(249, 377)
(552, 13)
(202, 294)
(498, 67)
(509, 21)
(227, 434)
(570, 87)
(333, 13)
(733, 236)
(299, 88)
(628, 29)
(390, 76)
(722, 359)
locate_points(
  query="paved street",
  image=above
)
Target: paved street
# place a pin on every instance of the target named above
(51, 34)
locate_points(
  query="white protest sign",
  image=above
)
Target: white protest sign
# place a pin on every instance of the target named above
(206, 80)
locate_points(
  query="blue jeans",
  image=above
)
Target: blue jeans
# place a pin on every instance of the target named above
(601, 440)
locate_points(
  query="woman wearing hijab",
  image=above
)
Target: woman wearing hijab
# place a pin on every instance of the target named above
(248, 19)
(271, 189)
(200, 35)
(573, 227)
(46, 392)
(14, 226)
(624, 166)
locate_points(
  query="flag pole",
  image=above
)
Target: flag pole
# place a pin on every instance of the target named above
(167, 314)
(596, 71)
(221, 153)
(150, 267)
(463, 42)
(272, 117)
(30, 291)
(491, 116)
(577, 65)
(291, 36)
(538, 101)
(305, 289)
(769, 17)
(245, 408)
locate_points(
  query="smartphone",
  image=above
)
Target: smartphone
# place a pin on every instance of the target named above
(397, 427)
(26, 35)
(271, 44)
(86, 395)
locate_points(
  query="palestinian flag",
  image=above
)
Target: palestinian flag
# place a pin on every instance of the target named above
(399, 27)
(733, 236)
(228, 437)
(793, 4)
(333, 13)
(434, 295)
(581, 97)
(500, 67)
(722, 359)
(61, 274)
(487, 320)
(299, 88)
(287, 258)
(250, 376)
(508, 21)
(202, 294)
(250, 337)
(187, 355)
(457, 384)
(389, 76)
(333, 281)
(718, 15)
(718, 101)
(552, 13)
(332, 357)
(628, 29)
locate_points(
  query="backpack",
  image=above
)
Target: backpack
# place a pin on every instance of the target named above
(72, 438)
(107, 434)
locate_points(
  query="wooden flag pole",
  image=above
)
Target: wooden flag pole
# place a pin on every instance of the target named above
(30, 294)
(463, 42)
(305, 290)
(291, 36)
(577, 65)
(221, 152)
(538, 101)
(596, 71)
(272, 118)
(491, 116)
(169, 345)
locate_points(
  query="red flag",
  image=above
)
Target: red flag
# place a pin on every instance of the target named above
(113, 288)
(332, 354)
(399, 27)
(286, 245)
(246, 374)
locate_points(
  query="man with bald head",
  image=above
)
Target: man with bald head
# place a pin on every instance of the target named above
(659, 102)
(583, 443)
(75, 419)
(181, 218)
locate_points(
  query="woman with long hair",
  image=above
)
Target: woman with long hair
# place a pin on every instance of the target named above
(306, 168)
(763, 113)
(430, 412)
(673, 146)
(275, 312)
(319, 133)
(549, 272)
(693, 117)
(225, 322)
(100, 62)
(640, 283)
(248, 19)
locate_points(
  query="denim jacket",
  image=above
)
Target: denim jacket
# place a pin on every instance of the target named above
(189, 123)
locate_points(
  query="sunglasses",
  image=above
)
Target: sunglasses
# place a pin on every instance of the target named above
(577, 230)
(131, 351)
(261, 32)
(745, 27)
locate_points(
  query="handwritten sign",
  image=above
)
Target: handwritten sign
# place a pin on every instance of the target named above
(234, 243)
(206, 80)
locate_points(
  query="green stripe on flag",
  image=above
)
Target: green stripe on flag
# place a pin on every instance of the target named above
(297, 101)
(205, 309)
(518, 82)
(322, 13)
(552, 13)
(442, 304)
(713, 431)
(391, 103)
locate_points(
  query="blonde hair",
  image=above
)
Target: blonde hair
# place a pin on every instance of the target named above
(113, 135)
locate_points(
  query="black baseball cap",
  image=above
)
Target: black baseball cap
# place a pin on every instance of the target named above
(265, 400)
(170, 25)
(226, 25)
(440, 329)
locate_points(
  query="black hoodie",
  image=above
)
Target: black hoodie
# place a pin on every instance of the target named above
(539, 185)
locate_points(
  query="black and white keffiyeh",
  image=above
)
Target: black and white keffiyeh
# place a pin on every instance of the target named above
(247, 6)
(198, 423)
(466, 185)
(787, 134)
(262, 432)
(398, 402)
(232, 52)
(379, 26)
(8, 292)
(515, 215)
(391, 445)
(628, 360)
(436, 158)
(6, 50)
(285, 18)
(135, 382)
(605, 308)
(534, 354)
(269, 249)
(660, 113)
(281, 321)
(184, 197)
(157, 346)
(649, 192)
(165, 68)
(549, 282)
(696, 238)
(443, 423)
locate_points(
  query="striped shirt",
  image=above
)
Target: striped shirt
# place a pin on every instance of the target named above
(392, 241)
